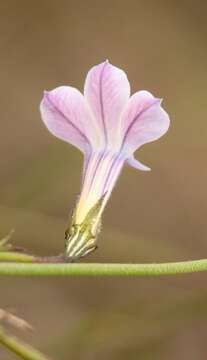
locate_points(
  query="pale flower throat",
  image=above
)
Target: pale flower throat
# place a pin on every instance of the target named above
(100, 175)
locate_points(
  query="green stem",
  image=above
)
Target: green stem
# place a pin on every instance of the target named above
(21, 349)
(85, 269)
(15, 256)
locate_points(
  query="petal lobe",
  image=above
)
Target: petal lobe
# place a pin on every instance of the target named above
(65, 115)
(107, 91)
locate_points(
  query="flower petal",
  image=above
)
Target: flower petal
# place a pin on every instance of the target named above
(137, 164)
(107, 91)
(64, 113)
(143, 121)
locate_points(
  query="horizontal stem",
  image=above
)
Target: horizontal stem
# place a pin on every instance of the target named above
(92, 269)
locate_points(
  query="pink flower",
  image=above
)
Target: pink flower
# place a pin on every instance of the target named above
(107, 125)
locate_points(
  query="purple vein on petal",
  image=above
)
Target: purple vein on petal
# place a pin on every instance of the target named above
(85, 167)
(101, 99)
(100, 158)
(47, 96)
(116, 162)
(156, 101)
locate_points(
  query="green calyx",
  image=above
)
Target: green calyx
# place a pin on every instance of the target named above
(81, 239)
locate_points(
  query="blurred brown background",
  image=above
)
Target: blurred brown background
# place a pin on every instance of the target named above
(151, 217)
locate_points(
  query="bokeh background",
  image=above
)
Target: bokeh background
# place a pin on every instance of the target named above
(151, 217)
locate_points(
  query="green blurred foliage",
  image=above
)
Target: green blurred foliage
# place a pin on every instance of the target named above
(157, 216)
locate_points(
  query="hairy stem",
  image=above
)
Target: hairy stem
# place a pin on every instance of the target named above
(92, 269)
